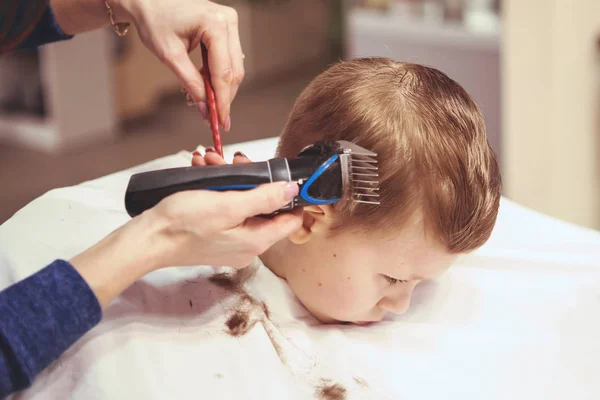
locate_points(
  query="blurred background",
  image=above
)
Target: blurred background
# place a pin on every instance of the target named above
(97, 104)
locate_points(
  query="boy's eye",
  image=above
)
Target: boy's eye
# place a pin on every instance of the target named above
(393, 281)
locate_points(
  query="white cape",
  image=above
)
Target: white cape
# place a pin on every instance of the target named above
(519, 319)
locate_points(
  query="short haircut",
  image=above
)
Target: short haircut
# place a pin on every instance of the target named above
(433, 153)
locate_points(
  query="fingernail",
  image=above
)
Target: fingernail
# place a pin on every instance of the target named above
(240, 154)
(196, 153)
(227, 126)
(203, 110)
(210, 150)
(291, 190)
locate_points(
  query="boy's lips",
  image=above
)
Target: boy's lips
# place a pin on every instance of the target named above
(363, 323)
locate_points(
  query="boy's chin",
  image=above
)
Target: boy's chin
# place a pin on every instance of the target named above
(323, 319)
(331, 321)
(326, 320)
(363, 323)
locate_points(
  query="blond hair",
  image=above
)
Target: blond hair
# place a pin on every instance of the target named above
(430, 138)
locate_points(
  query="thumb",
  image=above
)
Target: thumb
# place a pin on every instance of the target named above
(265, 199)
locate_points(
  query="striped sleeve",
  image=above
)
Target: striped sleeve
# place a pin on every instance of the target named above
(27, 24)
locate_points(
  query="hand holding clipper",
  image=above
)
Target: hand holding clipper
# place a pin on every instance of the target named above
(326, 172)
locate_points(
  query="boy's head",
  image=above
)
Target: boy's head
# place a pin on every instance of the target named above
(439, 188)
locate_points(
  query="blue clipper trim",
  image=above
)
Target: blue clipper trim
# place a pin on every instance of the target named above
(304, 192)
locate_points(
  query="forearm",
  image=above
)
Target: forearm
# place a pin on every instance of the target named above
(41, 317)
(31, 23)
(123, 257)
(45, 314)
(78, 16)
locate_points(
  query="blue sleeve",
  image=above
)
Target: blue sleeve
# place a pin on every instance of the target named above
(27, 24)
(41, 317)
(46, 31)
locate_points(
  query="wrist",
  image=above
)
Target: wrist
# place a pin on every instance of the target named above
(124, 256)
(123, 10)
(147, 242)
(80, 16)
(150, 231)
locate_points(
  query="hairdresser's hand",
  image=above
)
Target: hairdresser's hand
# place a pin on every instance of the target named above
(171, 29)
(220, 228)
(189, 228)
(213, 158)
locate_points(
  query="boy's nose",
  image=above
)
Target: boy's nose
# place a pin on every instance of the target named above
(396, 306)
(398, 303)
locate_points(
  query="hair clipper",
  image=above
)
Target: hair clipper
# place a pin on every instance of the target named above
(326, 172)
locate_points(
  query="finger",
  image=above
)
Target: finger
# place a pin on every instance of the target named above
(240, 158)
(213, 158)
(187, 73)
(198, 160)
(271, 231)
(221, 73)
(266, 199)
(237, 57)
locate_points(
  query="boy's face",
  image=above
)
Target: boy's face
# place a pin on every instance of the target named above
(358, 277)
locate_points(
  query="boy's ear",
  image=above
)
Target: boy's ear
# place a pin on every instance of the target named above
(316, 220)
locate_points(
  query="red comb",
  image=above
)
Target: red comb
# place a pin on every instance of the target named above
(212, 102)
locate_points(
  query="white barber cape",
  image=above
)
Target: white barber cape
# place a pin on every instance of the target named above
(518, 319)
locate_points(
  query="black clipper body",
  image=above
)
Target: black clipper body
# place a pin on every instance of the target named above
(325, 173)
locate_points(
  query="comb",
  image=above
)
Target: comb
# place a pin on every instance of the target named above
(360, 173)
(212, 102)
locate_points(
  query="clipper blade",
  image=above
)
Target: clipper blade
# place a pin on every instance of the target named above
(360, 173)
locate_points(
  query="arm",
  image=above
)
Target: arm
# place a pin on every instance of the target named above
(32, 23)
(41, 317)
(45, 314)
(26, 24)
(79, 16)
(170, 29)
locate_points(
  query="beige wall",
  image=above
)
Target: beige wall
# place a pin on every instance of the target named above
(551, 103)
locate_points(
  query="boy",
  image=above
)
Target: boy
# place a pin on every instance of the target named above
(184, 331)
(439, 188)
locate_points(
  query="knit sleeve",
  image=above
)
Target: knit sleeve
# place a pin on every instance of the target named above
(40, 318)
(26, 24)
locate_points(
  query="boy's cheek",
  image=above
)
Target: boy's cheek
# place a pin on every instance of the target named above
(332, 289)
(344, 299)
(325, 299)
